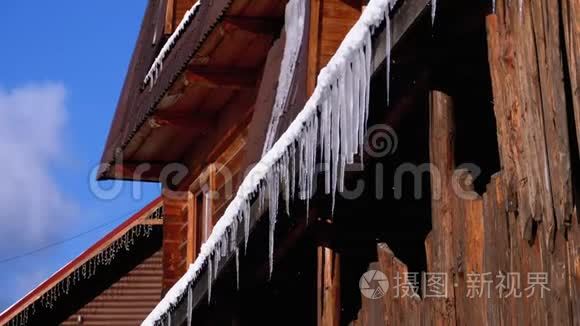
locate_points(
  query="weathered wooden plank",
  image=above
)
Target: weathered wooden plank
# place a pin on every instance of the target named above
(329, 287)
(497, 249)
(474, 247)
(546, 26)
(459, 273)
(573, 256)
(507, 107)
(173, 238)
(386, 256)
(441, 147)
(530, 105)
(571, 25)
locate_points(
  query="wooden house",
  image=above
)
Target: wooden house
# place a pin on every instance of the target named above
(117, 281)
(304, 143)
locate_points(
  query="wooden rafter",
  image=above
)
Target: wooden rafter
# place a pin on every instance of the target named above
(251, 24)
(221, 77)
(182, 120)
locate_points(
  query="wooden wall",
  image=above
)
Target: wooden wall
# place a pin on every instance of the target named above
(330, 21)
(175, 11)
(220, 181)
(126, 302)
(527, 220)
(174, 237)
(475, 239)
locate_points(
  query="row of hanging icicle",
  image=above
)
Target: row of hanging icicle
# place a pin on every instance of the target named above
(85, 272)
(329, 130)
(157, 66)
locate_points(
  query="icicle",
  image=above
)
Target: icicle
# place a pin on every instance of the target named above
(388, 51)
(335, 143)
(349, 85)
(234, 234)
(209, 280)
(434, 11)
(326, 141)
(356, 104)
(493, 6)
(521, 9)
(189, 304)
(295, 18)
(216, 264)
(237, 268)
(246, 218)
(273, 193)
(343, 142)
(368, 63)
(342, 99)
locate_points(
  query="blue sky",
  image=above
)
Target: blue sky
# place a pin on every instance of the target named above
(62, 66)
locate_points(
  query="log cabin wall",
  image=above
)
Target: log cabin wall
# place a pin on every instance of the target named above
(175, 237)
(330, 21)
(190, 215)
(526, 221)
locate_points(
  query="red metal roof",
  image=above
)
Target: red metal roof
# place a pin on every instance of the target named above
(69, 268)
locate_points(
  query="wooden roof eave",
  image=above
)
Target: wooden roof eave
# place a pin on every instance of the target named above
(403, 20)
(177, 60)
(176, 66)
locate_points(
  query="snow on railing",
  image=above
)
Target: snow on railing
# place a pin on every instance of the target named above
(334, 117)
(157, 65)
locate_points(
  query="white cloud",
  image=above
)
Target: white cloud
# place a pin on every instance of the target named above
(32, 122)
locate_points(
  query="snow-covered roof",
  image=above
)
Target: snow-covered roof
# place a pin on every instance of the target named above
(334, 117)
(157, 65)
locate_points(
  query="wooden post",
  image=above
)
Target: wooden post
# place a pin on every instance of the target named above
(328, 278)
(191, 239)
(313, 45)
(443, 163)
(174, 236)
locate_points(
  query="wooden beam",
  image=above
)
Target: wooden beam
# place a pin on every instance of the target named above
(136, 171)
(169, 16)
(182, 120)
(174, 259)
(253, 25)
(191, 219)
(402, 21)
(221, 78)
(313, 45)
(441, 147)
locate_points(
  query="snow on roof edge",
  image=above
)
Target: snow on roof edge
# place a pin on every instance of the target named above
(157, 65)
(373, 15)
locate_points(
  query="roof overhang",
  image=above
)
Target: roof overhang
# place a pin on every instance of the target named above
(208, 74)
(408, 13)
